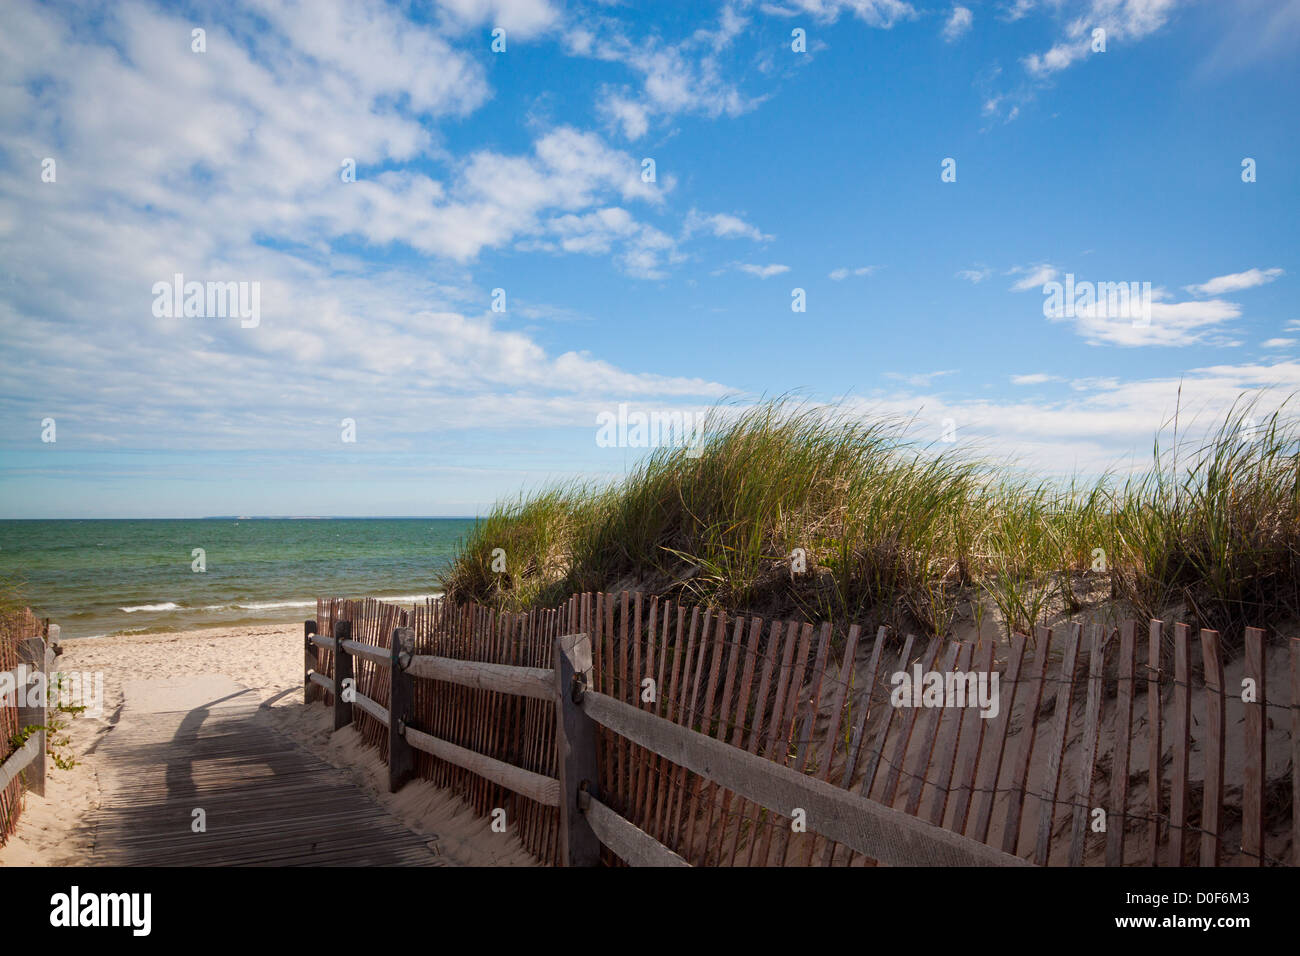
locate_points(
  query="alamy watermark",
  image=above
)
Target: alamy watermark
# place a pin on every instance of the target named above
(919, 688)
(1113, 300)
(652, 429)
(26, 687)
(208, 300)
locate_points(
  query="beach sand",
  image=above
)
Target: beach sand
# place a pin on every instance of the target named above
(55, 830)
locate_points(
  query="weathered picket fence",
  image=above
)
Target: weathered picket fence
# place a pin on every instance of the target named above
(22, 642)
(728, 741)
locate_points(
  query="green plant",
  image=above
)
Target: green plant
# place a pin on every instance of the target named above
(908, 532)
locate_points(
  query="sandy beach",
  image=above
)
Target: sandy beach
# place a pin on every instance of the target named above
(56, 830)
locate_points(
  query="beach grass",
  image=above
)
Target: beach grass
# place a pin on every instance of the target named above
(787, 508)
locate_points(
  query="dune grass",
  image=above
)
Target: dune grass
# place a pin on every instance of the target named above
(790, 509)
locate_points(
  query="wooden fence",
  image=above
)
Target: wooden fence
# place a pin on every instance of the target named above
(22, 762)
(707, 728)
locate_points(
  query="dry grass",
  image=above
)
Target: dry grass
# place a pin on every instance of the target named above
(907, 533)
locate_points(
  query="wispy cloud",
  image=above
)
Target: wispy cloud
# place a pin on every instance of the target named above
(1034, 378)
(686, 76)
(1123, 20)
(1171, 324)
(841, 274)
(1235, 282)
(920, 379)
(763, 272)
(721, 226)
(958, 24)
(876, 13)
(1032, 277)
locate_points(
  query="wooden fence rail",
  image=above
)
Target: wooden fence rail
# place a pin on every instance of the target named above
(693, 732)
(886, 834)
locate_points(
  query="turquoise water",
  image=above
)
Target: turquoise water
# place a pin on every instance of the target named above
(103, 577)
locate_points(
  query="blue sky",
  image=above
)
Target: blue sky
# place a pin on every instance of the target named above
(522, 170)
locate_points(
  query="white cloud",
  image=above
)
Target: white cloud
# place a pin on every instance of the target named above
(1017, 10)
(1101, 424)
(1279, 343)
(763, 272)
(630, 116)
(226, 166)
(875, 13)
(1171, 324)
(1034, 378)
(920, 379)
(519, 18)
(958, 24)
(1121, 19)
(974, 275)
(682, 77)
(840, 274)
(1235, 282)
(1034, 277)
(721, 226)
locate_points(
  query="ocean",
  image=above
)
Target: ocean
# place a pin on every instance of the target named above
(97, 577)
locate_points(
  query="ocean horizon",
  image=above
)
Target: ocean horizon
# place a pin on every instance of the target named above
(100, 576)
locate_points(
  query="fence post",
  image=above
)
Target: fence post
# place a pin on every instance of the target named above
(401, 698)
(31, 652)
(311, 661)
(575, 746)
(344, 683)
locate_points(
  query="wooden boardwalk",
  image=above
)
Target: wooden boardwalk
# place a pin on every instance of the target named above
(266, 800)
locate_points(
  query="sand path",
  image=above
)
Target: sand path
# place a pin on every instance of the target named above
(163, 694)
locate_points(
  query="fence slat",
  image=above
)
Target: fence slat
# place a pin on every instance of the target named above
(990, 764)
(1211, 808)
(1018, 784)
(804, 742)
(1295, 750)
(1181, 747)
(924, 748)
(1065, 693)
(723, 726)
(1256, 757)
(860, 730)
(895, 772)
(689, 692)
(968, 753)
(945, 749)
(1155, 647)
(844, 679)
(779, 751)
(672, 711)
(1117, 814)
(1091, 731)
(742, 723)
